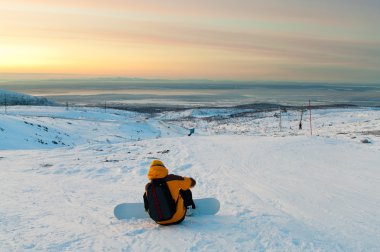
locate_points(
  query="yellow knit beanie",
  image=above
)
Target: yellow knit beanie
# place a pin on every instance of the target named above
(157, 170)
(157, 162)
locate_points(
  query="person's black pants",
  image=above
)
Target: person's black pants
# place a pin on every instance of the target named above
(187, 197)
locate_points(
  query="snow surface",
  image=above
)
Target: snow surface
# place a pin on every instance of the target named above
(63, 171)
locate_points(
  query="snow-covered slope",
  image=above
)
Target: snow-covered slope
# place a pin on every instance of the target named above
(12, 98)
(49, 127)
(280, 190)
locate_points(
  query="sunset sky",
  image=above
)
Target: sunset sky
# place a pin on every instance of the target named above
(287, 40)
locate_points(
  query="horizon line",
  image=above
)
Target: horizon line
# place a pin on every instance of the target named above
(82, 77)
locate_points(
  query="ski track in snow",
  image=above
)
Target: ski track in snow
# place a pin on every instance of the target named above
(279, 190)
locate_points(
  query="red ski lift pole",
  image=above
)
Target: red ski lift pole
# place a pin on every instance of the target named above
(311, 129)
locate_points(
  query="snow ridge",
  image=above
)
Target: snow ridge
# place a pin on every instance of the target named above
(11, 98)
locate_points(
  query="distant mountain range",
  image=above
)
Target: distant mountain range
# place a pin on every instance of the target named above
(12, 98)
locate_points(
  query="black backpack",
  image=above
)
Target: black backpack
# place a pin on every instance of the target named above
(158, 200)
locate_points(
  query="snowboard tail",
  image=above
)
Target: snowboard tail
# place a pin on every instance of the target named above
(205, 206)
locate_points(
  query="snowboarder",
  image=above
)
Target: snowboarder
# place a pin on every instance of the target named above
(192, 131)
(164, 190)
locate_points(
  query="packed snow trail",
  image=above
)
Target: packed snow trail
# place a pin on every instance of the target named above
(275, 194)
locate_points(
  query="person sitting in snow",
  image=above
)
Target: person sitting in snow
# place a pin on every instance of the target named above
(167, 197)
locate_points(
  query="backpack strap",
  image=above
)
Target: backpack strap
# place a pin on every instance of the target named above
(164, 181)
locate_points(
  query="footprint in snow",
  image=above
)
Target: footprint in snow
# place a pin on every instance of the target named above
(143, 171)
(135, 232)
(184, 167)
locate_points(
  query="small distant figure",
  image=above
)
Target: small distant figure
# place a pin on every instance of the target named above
(192, 131)
(300, 124)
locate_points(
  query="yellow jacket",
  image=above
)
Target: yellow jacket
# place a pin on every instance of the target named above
(175, 183)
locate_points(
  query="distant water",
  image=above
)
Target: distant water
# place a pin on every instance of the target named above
(188, 93)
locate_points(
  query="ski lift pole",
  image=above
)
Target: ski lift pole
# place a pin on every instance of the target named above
(311, 129)
(280, 120)
(5, 103)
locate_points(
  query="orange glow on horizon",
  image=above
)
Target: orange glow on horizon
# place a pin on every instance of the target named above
(247, 41)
